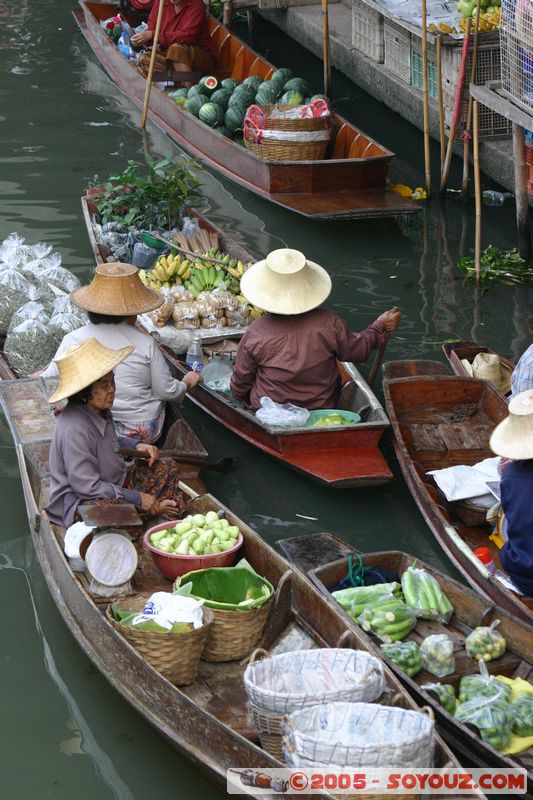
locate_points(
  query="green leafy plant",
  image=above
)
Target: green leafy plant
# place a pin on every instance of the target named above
(152, 200)
(497, 266)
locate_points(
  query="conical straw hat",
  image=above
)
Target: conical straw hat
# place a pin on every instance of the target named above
(117, 290)
(488, 367)
(285, 282)
(513, 437)
(84, 364)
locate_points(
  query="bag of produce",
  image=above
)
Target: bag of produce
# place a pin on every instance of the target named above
(64, 307)
(423, 593)
(437, 655)
(522, 710)
(485, 643)
(59, 276)
(391, 621)
(482, 685)
(10, 249)
(358, 598)
(405, 655)
(15, 290)
(491, 716)
(29, 346)
(444, 693)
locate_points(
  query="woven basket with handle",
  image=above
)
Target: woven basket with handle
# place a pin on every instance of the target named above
(234, 634)
(286, 151)
(175, 655)
(292, 123)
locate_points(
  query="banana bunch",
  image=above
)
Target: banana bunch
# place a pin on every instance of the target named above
(204, 279)
(488, 20)
(168, 271)
(236, 268)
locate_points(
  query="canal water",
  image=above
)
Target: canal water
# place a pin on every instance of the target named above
(66, 732)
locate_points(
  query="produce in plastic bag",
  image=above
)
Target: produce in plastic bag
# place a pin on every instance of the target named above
(64, 305)
(482, 685)
(390, 622)
(405, 655)
(60, 277)
(29, 346)
(445, 694)
(522, 710)
(30, 310)
(423, 593)
(283, 415)
(10, 247)
(15, 290)
(492, 716)
(437, 655)
(485, 643)
(357, 599)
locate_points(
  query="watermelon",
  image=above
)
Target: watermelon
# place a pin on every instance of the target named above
(281, 76)
(243, 95)
(180, 101)
(178, 93)
(253, 80)
(296, 85)
(233, 118)
(224, 131)
(229, 83)
(208, 84)
(292, 98)
(221, 98)
(194, 103)
(266, 96)
(196, 89)
(211, 114)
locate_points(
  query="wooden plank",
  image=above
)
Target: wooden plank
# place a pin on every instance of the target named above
(493, 96)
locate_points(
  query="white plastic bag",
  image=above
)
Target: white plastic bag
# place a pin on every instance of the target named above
(217, 375)
(284, 415)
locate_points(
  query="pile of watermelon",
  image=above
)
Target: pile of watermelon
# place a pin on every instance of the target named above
(223, 104)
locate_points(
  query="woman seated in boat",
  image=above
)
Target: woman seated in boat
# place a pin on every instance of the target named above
(84, 463)
(184, 40)
(291, 353)
(113, 299)
(513, 439)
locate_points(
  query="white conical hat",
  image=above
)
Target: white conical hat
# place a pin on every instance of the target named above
(513, 437)
(285, 282)
(488, 367)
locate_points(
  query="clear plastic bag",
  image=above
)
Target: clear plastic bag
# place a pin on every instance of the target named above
(161, 315)
(390, 622)
(492, 716)
(15, 290)
(191, 226)
(485, 642)
(522, 710)
(217, 375)
(10, 248)
(283, 415)
(406, 656)
(60, 277)
(482, 685)
(357, 599)
(64, 305)
(437, 655)
(445, 694)
(29, 345)
(144, 256)
(185, 315)
(423, 593)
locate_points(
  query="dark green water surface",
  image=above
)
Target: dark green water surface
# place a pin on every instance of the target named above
(66, 733)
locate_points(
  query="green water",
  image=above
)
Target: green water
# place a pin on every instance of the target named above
(66, 732)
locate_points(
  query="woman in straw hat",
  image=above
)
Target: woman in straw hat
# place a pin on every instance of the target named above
(84, 463)
(290, 355)
(513, 439)
(113, 299)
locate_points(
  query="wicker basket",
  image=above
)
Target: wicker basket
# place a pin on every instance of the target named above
(287, 151)
(234, 634)
(175, 655)
(270, 730)
(299, 124)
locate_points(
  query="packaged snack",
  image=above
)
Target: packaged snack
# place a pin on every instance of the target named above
(437, 655)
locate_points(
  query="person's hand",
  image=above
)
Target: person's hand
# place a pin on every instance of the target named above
(390, 320)
(191, 379)
(154, 507)
(144, 37)
(151, 450)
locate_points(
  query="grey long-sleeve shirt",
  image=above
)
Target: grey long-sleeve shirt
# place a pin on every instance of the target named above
(84, 464)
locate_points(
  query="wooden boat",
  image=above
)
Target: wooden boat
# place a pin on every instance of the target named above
(350, 183)
(207, 721)
(341, 457)
(459, 351)
(470, 611)
(440, 421)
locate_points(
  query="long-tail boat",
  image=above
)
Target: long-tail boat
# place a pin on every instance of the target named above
(324, 559)
(458, 352)
(440, 420)
(351, 182)
(207, 721)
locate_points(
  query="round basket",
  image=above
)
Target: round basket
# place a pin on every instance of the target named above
(175, 655)
(287, 151)
(270, 730)
(299, 124)
(234, 634)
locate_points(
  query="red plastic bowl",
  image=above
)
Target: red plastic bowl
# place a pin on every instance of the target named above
(173, 565)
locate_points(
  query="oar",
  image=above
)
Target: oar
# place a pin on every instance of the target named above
(379, 355)
(152, 63)
(222, 465)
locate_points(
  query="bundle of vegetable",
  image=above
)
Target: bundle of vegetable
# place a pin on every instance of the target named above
(437, 655)
(445, 694)
(391, 621)
(522, 711)
(423, 593)
(405, 655)
(485, 643)
(197, 535)
(492, 716)
(482, 685)
(357, 598)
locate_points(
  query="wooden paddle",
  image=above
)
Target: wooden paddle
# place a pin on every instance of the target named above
(222, 465)
(379, 355)
(152, 63)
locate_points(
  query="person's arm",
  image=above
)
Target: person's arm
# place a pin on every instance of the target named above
(191, 24)
(147, 36)
(164, 386)
(358, 346)
(244, 372)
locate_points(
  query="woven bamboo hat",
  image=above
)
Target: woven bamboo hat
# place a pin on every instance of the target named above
(513, 437)
(488, 367)
(84, 364)
(117, 290)
(285, 282)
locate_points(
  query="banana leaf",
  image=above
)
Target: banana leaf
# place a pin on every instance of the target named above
(237, 588)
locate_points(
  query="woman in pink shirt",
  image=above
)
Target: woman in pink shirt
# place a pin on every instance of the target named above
(291, 353)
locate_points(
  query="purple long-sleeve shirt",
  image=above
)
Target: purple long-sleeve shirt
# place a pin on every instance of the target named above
(84, 464)
(293, 359)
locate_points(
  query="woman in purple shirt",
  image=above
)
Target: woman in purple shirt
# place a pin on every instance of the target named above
(84, 463)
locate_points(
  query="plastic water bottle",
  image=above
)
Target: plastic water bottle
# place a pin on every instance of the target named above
(194, 357)
(124, 46)
(492, 198)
